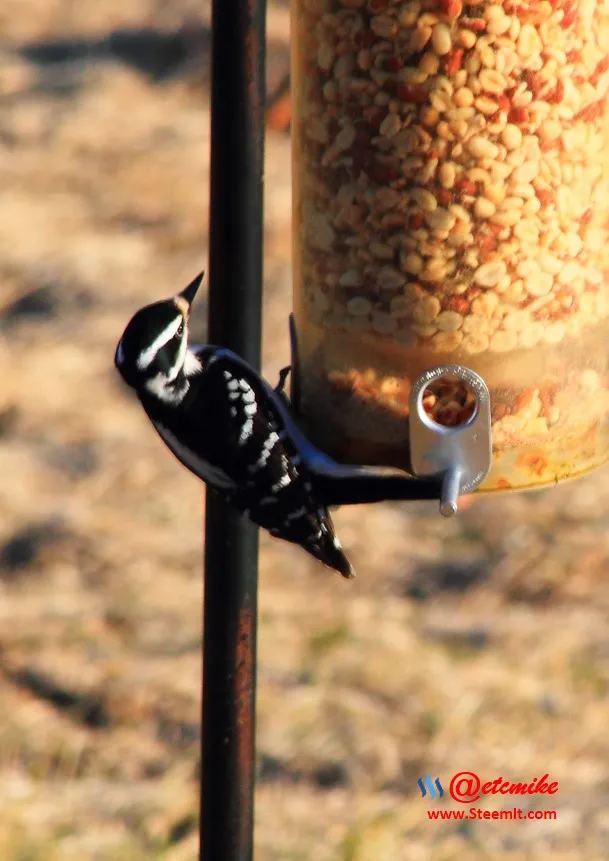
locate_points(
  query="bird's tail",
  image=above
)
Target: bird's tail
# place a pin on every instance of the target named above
(328, 549)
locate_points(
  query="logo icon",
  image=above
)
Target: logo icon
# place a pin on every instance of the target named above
(433, 787)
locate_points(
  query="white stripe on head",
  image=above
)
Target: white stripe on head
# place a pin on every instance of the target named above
(180, 358)
(147, 356)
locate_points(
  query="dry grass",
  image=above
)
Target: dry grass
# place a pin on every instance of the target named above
(477, 644)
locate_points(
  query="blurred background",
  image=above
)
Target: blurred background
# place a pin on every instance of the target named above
(478, 644)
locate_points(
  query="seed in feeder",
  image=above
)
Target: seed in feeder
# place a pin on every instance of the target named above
(383, 26)
(436, 270)
(449, 321)
(489, 274)
(474, 323)
(390, 279)
(426, 310)
(511, 137)
(484, 208)
(480, 147)
(440, 220)
(384, 324)
(424, 198)
(463, 98)
(441, 39)
(390, 126)
(539, 284)
(429, 401)
(325, 56)
(507, 217)
(412, 263)
(449, 415)
(350, 278)
(381, 251)
(476, 342)
(317, 130)
(526, 173)
(550, 263)
(343, 67)
(515, 321)
(345, 138)
(498, 24)
(447, 174)
(321, 233)
(400, 306)
(425, 331)
(447, 341)
(359, 306)
(492, 81)
(570, 272)
(550, 130)
(529, 42)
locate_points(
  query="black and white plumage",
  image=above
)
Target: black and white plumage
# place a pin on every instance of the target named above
(235, 432)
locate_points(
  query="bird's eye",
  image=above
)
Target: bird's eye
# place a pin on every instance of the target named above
(181, 329)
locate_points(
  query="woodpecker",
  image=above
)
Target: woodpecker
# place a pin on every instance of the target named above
(237, 433)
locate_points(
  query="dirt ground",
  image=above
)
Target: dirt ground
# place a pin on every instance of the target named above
(479, 644)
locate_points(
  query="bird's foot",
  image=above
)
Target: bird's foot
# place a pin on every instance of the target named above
(283, 375)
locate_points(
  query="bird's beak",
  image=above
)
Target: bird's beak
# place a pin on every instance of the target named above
(188, 294)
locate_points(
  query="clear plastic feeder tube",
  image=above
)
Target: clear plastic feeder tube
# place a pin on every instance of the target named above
(451, 179)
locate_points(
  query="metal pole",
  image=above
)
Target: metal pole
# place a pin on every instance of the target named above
(231, 542)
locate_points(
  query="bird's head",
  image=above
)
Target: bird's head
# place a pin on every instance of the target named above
(153, 348)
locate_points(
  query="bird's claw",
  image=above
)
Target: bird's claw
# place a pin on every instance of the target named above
(283, 375)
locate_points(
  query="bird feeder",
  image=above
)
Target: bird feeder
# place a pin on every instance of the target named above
(451, 224)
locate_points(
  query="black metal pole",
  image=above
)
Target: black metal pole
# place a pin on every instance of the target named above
(231, 542)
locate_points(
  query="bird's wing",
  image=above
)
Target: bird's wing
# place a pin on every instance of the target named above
(267, 463)
(254, 446)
